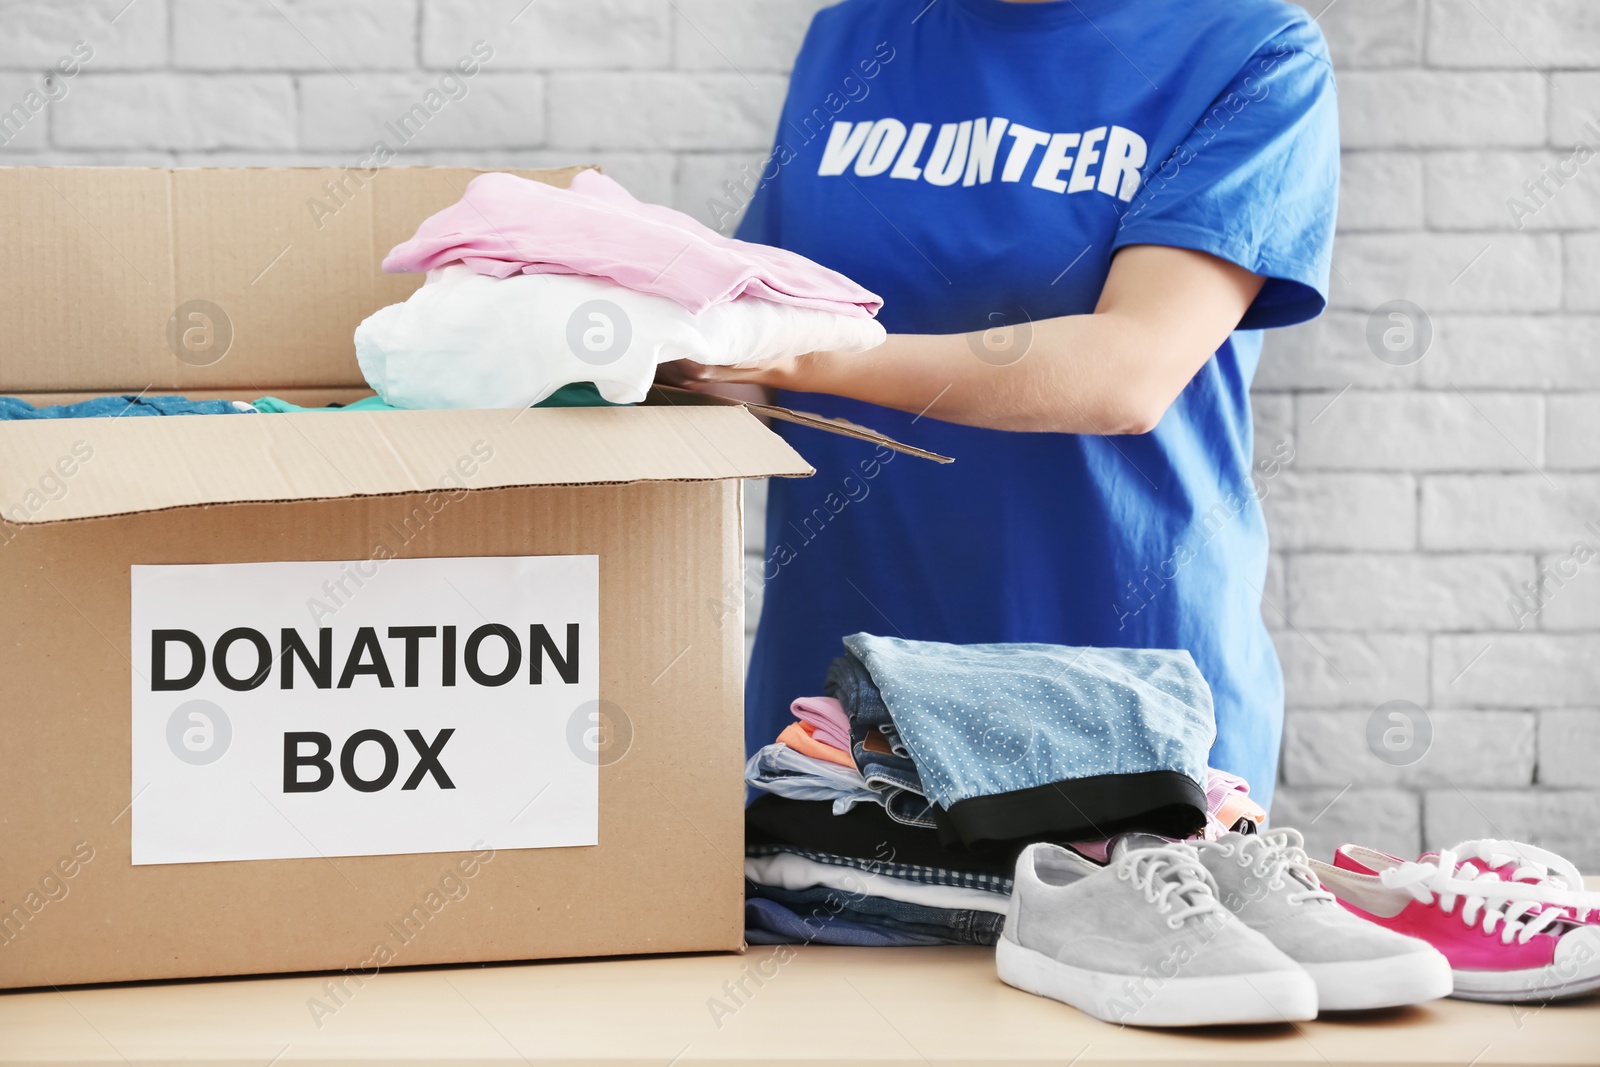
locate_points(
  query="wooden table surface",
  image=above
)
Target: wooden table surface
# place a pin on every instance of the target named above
(812, 1004)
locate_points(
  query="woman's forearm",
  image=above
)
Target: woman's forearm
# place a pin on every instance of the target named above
(1162, 314)
(1074, 374)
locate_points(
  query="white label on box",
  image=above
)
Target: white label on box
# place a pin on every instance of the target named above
(364, 707)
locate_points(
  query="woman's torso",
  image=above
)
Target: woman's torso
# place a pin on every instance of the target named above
(1155, 540)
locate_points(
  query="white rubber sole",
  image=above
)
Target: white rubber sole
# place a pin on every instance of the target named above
(1362, 985)
(1135, 1000)
(1537, 985)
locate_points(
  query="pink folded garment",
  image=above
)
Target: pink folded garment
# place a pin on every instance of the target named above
(506, 225)
(827, 716)
(1228, 801)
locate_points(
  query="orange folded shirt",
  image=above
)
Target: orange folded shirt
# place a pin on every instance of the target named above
(797, 735)
(1239, 806)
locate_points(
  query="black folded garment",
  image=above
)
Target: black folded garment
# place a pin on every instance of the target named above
(1083, 809)
(867, 832)
(864, 832)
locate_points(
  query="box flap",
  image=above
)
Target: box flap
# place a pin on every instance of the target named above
(670, 395)
(53, 470)
(128, 278)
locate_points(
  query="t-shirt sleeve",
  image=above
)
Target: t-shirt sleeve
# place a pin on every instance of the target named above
(1256, 182)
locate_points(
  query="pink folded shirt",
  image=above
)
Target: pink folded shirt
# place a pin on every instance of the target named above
(832, 725)
(506, 225)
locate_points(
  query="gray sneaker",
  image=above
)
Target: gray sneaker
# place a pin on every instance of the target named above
(1143, 941)
(1267, 881)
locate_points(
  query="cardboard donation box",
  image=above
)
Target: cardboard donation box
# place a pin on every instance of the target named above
(342, 690)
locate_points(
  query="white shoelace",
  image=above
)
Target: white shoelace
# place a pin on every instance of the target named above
(1534, 866)
(1168, 876)
(1506, 905)
(1275, 857)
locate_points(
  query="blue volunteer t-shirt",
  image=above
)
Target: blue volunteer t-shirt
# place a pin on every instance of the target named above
(977, 163)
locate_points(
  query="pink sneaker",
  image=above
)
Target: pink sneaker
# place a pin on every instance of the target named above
(1506, 941)
(1511, 861)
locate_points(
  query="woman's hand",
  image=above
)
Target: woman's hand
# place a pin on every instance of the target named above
(771, 374)
(1161, 315)
(735, 383)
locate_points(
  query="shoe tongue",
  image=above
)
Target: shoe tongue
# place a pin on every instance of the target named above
(1133, 842)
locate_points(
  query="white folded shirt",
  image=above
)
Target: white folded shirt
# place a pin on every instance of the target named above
(785, 870)
(465, 340)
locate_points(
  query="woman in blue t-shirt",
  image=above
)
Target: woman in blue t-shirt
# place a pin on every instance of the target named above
(1080, 215)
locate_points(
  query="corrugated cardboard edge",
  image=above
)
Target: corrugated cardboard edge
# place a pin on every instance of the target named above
(671, 394)
(38, 523)
(685, 446)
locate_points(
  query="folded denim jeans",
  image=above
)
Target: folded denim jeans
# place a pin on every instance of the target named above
(849, 683)
(951, 926)
(910, 808)
(892, 773)
(766, 922)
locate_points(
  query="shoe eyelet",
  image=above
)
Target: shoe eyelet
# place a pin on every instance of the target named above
(1174, 923)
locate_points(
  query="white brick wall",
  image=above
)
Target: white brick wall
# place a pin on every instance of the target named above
(125, 37)
(1422, 497)
(1426, 495)
(596, 35)
(673, 97)
(311, 35)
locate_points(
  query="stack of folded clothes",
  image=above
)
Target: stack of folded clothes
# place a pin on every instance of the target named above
(531, 287)
(825, 862)
(892, 810)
